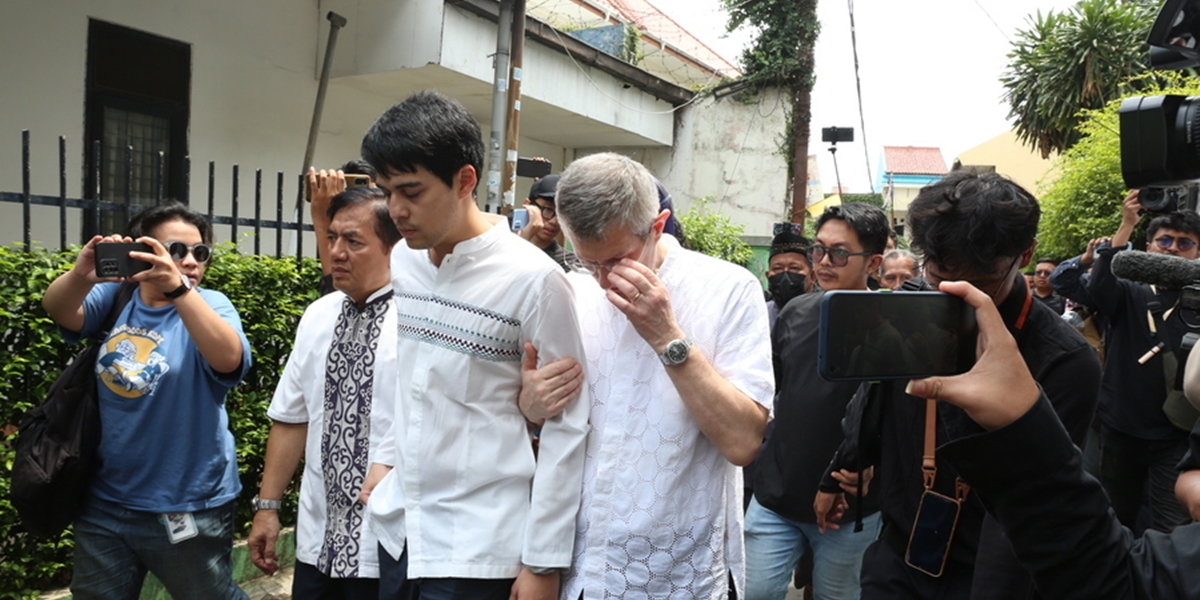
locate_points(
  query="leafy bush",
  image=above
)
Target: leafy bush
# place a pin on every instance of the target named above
(1084, 201)
(269, 293)
(714, 234)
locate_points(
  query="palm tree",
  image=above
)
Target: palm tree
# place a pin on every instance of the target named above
(1070, 61)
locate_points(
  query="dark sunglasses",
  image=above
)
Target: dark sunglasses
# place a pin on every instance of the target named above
(1184, 244)
(180, 250)
(837, 256)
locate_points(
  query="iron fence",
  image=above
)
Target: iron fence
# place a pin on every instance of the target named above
(96, 206)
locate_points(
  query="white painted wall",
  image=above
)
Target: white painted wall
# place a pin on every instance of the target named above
(726, 149)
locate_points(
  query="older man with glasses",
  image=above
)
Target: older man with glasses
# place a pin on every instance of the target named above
(681, 391)
(1139, 442)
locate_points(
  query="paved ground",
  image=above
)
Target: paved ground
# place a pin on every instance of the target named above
(277, 587)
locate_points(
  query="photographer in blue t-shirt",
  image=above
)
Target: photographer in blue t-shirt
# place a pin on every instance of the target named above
(161, 499)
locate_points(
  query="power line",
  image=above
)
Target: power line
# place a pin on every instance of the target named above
(862, 119)
(994, 23)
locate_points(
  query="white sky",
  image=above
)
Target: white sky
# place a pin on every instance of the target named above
(930, 72)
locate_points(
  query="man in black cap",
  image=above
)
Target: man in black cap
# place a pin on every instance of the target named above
(788, 272)
(542, 229)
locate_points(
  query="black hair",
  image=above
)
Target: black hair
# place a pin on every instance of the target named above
(359, 166)
(867, 221)
(968, 220)
(427, 130)
(1047, 259)
(1184, 221)
(148, 220)
(385, 228)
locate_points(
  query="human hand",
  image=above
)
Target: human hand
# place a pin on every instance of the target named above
(323, 185)
(534, 225)
(1089, 255)
(1187, 490)
(1131, 209)
(264, 532)
(829, 509)
(545, 392)
(85, 264)
(848, 480)
(374, 475)
(999, 388)
(163, 273)
(637, 292)
(535, 587)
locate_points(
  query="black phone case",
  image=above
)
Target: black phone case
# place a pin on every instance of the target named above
(112, 259)
(929, 544)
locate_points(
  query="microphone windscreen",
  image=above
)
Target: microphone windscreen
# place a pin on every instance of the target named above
(1164, 270)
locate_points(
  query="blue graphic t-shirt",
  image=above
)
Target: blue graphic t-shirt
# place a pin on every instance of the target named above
(166, 445)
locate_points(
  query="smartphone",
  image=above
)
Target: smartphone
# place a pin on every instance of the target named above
(527, 167)
(520, 218)
(929, 542)
(112, 259)
(353, 181)
(868, 336)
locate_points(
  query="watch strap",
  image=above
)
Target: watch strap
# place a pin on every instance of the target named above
(184, 287)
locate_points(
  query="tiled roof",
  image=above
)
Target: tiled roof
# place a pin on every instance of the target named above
(914, 160)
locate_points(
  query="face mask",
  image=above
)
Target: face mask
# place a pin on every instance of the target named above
(785, 286)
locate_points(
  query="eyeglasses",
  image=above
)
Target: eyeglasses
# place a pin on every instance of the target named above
(990, 286)
(596, 267)
(1182, 243)
(837, 256)
(1043, 272)
(548, 212)
(180, 250)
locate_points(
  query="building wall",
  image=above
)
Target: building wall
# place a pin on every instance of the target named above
(725, 149)
(1013, 160)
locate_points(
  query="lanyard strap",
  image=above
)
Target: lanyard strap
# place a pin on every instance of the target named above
(929, 460)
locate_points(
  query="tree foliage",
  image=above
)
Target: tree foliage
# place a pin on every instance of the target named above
(1071, 61)
(714, 234)
(1084, 201)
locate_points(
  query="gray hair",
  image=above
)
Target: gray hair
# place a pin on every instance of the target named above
(902, 253)
(601, 191)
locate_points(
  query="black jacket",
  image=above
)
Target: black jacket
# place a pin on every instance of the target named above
(1132, 394)
(808, 414)
(886, 429)
(1058, 518)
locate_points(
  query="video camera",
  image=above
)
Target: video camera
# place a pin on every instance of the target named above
(1160, 135)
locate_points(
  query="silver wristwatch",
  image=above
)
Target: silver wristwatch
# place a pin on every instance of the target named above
(676, 352)
(258, 504)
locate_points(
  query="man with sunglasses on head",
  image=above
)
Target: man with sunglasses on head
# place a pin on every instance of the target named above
(1138, 441)
(780, 527)
(977, 228)
(542, 229)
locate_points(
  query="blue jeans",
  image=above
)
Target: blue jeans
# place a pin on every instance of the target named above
(115, 546)
(774, 546)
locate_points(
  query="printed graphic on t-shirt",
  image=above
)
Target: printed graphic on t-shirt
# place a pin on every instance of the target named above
(130, 364)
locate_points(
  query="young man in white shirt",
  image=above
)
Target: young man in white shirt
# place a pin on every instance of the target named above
(679, 370)
(464, 508)
(332, 407)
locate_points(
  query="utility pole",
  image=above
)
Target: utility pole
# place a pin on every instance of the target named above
(513, 131)
(499, 104)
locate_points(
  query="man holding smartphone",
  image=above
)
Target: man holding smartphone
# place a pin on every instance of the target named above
(980, 229)
(542, 228)
(780, 528)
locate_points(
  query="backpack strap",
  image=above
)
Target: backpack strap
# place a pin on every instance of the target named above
(125, 293)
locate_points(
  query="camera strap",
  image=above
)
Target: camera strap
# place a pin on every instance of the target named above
(929, 459)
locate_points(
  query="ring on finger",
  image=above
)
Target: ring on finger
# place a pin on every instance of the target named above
(636, 296)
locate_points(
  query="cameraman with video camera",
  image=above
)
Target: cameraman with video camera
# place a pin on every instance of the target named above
(1146, 328)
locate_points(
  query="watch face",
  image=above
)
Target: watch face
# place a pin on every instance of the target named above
(677, 352)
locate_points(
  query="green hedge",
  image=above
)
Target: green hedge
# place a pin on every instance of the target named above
(269, 293)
